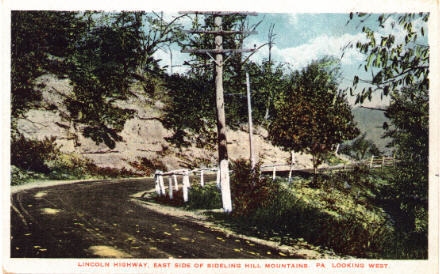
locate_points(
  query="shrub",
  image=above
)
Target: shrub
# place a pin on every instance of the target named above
(33, 155)
(147, 166)
(34, 159)
(19, 176)
(337, 222)
(333, 160)
(206, 197)
(249, 189)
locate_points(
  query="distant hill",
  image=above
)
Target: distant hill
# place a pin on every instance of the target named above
(371, 122)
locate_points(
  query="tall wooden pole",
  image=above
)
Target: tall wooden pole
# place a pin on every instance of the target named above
(223, 171)
(251, 148)
(221, 121)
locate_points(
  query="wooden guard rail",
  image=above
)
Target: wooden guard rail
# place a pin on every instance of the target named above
(374, 162)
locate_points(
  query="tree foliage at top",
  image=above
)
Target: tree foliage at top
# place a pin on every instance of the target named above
(99, 70)
(314, 115)
(400, 68)
(202, 66)
(268, 83)
(394, 62)
(190, 108)
(38, 38)
(101, 53)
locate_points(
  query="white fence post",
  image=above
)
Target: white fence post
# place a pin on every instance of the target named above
(218, 178)
(371, 161)
(292, 162)
(337, 149)
(185, 186)
(202, 182)
(274, 173)
(161, 184)
(176, 185)
(157, 186)
(170, 187)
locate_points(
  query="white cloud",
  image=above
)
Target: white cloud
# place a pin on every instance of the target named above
(320, 46)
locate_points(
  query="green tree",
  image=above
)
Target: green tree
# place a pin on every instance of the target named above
(314, 116)
(99, 69)
(400, 68)
(360, 148)
(393, 62)
(40, 42)
(409, 115)
(268, 83)
(190, 108)
(117, 49)
(201, 66)
(101, 53)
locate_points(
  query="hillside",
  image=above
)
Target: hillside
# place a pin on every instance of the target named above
(144, 136)
(371, 121)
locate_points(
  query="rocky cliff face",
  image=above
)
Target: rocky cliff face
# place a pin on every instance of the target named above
(144, 136)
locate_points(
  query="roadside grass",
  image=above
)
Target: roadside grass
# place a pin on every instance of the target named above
(36, 160)
(207, 197)
(20, 176)
(333, 160)
(343, 212)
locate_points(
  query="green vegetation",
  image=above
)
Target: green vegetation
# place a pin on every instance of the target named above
(101, 53)
(373, 214)
(314, 116)
(249, 190)
(334, 160)
(400, 69)
(360, 148)
(33, 160)
(147, 167)
(348, 213)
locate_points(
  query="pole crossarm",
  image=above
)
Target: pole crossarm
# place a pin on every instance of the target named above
(221, 32)
(220, 13)
(216, 51)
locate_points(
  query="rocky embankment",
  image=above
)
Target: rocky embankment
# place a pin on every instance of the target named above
(144, 136)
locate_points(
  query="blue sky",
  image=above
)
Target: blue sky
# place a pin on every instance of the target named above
(302, 38)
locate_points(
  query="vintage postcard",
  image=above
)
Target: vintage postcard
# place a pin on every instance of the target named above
(195, 137)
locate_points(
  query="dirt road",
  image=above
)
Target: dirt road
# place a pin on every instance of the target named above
(99, 219)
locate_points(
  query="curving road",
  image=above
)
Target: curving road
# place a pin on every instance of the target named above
(99, 219)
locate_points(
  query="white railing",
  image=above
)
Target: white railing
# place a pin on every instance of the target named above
(172, 178)
(173, 184)
(274, 169)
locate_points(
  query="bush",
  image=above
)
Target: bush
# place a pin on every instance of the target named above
(34, 159)
(206, 197)
(321, 219)
(147, 166)
(33, 155)
(351, 182)
(249, 189)
(334, 160)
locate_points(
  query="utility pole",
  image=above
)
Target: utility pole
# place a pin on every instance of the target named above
(220, 105)
(251, 146)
